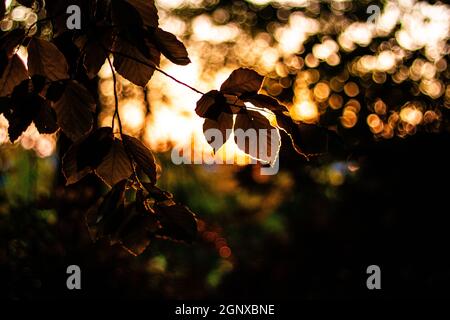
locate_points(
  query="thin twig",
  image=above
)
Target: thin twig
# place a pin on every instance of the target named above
(116, 98)
(168, 75)
(146, 102)
(116, 113)
(157, 69)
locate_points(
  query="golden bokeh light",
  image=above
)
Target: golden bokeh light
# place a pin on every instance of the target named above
(375, 123)
(380, 107)
(132, 115)
(305, 111)
(321, 91)
(293, 52)
(335, 101)
(351, 89)
(349, 118)
(411, 115)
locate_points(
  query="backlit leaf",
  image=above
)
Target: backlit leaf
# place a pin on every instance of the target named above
(13, 75)
(116, 165)
(128, 62)
(25, 104)
(147, 10)
(72, 172)
(171, 47)
(45, 120)
(95, 49)
(8, 44)
(177, 222)
(86, 154)
(254, 135)
(307, 139)
(45, 59)
(242, 81)
(74, 110)
(211, 105)
(141, 155)
(107, 214)
(135, 235)
(224, 124)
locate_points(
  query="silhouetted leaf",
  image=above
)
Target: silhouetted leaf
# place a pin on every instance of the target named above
(132, 70)
(8, 44)
(242, 81)
(224, 124)
(141, 155)
(39, 83)
(177, 222)
(256, 137)
(17, 125)
(26, 106)
(132, 225)
(45, 59)
(94, 49)
(147, 11)
(170, 47)
(217, 107)
(135, 235)
(45, 120)
(307, 139)
(5, 104)
(107, 214)
(116, 165)
(72, 172)
(55, 90)
(130, 26)
(13, 75)
(11, 40)
(211, 105)
(284, 121)
(87, 154)
(124, 14)
(74, 110)
(263, 101)
(95, 147)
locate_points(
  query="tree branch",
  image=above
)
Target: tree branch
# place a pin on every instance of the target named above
(116, 114)
(157, 69)
(116, 98)
(168, 75)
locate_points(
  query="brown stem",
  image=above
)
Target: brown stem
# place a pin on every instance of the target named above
(116, 114)
(157, 69)
(116, 98)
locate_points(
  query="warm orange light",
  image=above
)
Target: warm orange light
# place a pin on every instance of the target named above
(411, 115)
(349, 118)
(321, 91)
(375, 123)
(305, 111)
(225, 252)
(132, 115)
